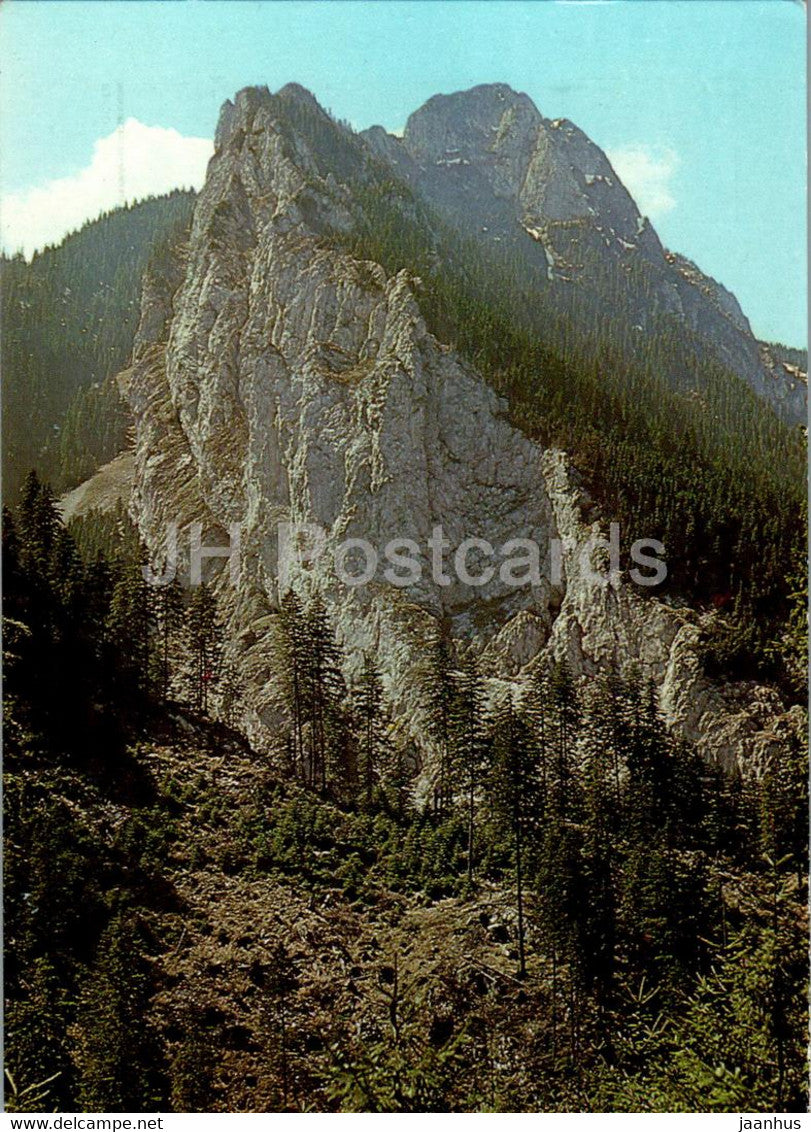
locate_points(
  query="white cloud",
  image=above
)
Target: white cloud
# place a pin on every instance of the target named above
(133, 162)
(646, 174)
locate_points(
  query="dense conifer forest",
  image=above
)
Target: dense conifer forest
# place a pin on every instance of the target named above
(68, 320)
(582, 916)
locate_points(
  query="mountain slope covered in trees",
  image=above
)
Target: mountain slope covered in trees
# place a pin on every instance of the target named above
(69, 317)
(503, 880)
(586, 919)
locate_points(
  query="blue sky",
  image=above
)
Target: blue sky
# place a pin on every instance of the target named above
(700, 103)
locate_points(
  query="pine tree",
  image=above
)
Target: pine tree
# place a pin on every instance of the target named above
(290, 663)
(168, 606)
(130, 623)
(369, 712)
(564, 716)
(596, 906)
(324, 693)
(440, 693)
(537, 710)
(783, 803)
(514, 792)
(38, 523)
(204, 636)
(469, 762)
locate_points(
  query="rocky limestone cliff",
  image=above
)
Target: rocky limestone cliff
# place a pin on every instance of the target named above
(276, 379)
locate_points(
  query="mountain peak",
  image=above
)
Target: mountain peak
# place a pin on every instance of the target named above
(294, 92)
(465, 124)
(476, 98)
(250, 99)
(244, 104)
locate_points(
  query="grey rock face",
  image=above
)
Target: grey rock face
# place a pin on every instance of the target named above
(507, 176)
(276, 379)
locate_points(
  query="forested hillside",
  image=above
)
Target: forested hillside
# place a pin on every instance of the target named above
(584, 916)
(68, 322)
(518, 889)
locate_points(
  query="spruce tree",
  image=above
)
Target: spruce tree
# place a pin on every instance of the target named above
(291, 666)
(130, 623)
(514, 793)
(369, 713)
(565, 720)
(325, 692)
(204, 638)
(440, 693)
(168, 607)
(469, 764)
